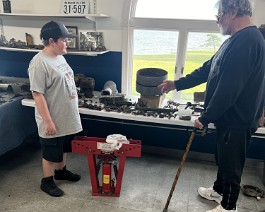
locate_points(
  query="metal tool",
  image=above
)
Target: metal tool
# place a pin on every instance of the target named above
(97, 149)
(253, 191)
(194, 131)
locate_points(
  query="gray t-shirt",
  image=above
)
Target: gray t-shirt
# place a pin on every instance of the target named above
(54, 78)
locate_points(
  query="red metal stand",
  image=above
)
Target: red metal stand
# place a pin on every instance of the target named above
(93, 146)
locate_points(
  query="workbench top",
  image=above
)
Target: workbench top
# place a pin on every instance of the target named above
(166, 121)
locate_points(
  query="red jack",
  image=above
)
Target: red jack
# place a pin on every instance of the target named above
(93, 146)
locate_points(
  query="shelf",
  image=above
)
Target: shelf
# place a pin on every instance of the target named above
(85, 53)
(91, 17)
(82, 17)
(94, 16)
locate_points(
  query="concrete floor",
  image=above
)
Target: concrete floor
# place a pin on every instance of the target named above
(146, 185)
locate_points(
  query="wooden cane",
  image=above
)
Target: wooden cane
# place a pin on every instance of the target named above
(180, 167)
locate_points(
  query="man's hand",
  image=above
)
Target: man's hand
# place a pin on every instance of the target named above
(198, 124)
(166, 86)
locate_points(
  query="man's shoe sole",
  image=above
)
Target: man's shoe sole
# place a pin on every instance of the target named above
(216, 199)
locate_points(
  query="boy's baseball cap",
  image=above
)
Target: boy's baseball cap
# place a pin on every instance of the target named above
(54, 29)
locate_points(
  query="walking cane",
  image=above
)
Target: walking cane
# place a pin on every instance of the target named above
(181, 164)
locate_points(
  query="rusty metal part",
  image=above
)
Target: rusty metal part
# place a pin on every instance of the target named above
(87, 86)
(148, 90)
(92, 106)
(185, 118)
(4, 87)
(9, 89)
(147, 80)
(5, 98)
(9, 80)
(110, 88)
(77, 78)
(151, 76)
(159, 110)
(198, 109)
(117, 100)
(253, 191)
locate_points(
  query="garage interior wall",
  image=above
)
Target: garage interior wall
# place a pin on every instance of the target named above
(101, 68)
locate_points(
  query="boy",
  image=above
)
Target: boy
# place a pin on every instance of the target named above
(56, 105)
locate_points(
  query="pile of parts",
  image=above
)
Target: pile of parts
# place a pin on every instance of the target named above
(10, 88)
(13, 43)
(111, 100)
(118, 103)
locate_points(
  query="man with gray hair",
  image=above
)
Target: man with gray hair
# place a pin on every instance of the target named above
(234, 97)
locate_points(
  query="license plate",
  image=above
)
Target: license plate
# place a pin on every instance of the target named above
(75, 7)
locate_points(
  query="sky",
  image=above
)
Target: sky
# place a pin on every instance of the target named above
(184, 9)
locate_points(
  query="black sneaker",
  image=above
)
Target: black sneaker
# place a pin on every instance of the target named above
(48, 186)
(66, 175)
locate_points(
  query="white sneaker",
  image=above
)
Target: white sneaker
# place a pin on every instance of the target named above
(219, 208)
(210, 194)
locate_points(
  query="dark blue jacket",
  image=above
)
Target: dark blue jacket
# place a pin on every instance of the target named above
(235, 81)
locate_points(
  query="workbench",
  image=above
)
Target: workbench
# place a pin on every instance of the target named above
(157, 132)
(17, 122)
(124, 116)
(150, 130)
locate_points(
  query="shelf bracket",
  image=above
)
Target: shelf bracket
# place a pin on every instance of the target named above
(95, 12)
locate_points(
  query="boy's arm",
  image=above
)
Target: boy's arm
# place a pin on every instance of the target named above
(43, 110)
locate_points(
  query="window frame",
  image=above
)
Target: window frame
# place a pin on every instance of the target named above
(182, 26)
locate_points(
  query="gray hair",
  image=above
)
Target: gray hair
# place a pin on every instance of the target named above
(262, 30)
(243, 7)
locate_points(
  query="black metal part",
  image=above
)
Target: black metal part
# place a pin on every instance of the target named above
(253, 191)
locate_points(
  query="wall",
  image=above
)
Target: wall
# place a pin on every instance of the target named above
(258, 12)
(112, 27)
(102, 68)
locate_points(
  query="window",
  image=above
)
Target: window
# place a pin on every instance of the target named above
(176, 9)
(178, 40)
(154, 49)
(200, 48)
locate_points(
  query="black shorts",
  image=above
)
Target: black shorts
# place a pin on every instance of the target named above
(53, 148)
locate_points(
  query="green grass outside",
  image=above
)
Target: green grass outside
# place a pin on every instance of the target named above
(194, 59)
